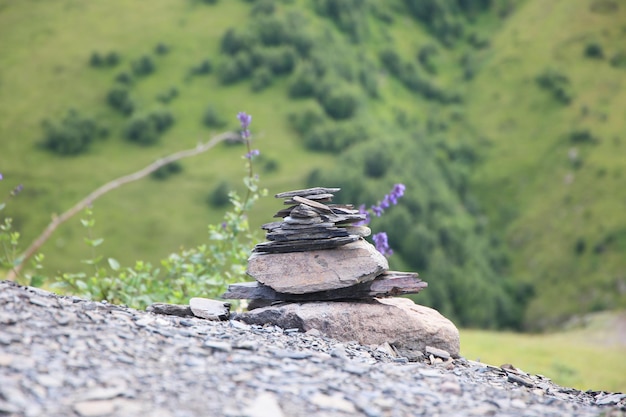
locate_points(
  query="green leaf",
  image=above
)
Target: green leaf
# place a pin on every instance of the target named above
(114, 264)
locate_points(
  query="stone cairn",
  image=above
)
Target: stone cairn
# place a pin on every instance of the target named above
(317, 252)
(316, 273)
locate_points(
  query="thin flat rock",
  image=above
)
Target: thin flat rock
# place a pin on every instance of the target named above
(383, 286)
(304, 245)
(307, 191)
(312, 203)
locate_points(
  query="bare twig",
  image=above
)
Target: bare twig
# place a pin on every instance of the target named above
(59, 220)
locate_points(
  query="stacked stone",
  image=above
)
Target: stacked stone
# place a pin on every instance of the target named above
(317, 252)
(309, 224)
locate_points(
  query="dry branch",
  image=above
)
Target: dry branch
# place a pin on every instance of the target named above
(59, 220)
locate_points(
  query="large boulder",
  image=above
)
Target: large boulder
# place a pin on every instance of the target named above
(318, 270)
(407, 326)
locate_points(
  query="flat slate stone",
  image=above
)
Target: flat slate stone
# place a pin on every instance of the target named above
(390, 283)
(307, 191)
(275, 247)
(317, 270)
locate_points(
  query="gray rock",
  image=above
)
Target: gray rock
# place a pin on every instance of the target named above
(209, 309)
(170, 309)
(397, 321)
(321, 270)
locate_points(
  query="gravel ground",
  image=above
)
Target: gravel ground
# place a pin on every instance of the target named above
(64, 356)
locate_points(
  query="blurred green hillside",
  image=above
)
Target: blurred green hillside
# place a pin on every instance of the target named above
(503, 118)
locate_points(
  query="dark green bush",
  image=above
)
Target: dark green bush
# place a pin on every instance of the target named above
(109, 60)
(146, 130)
(203, 68)
(305, 120)
(271, 31)
(619, 60)
(124, 78)
(263, 8)
(391, 61)
(582, 136)
(303, 82)
(334, 137)
(143, 66)
(557, 84)
(72, 135)
(280, 60)
(119, 99)
(161, 49)
(424, 56)
(377, 163)
(219, 196)
(236, 68)
(167, 170)
(350, 16)
(594, 51)
(168, 95)
(261, 79)
(212, 118)
(234, 42)
(339, 100)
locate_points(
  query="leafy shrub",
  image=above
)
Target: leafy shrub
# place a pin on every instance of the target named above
(280, 60)
(594, 51)
(305, 120)
(339, 100)
(235, 68)
(124, 78)
(377, 163)
(119, 99)
(161, 49)
(212, 118)
(303, 82)
(234, 42)
(143, 66)
(619, 60)
(368, 78)
(391, 60)
(442, 18)
(109, 60)
(168, 95)
(167, 170)
(146, 130)
(334, 137)
(203, 68)
(582, 136)
(557, 84)
(73, 135)
(350, 16)
(263, 8)
(261, 79)
(424, 56)
(271, 31)
(219, 197)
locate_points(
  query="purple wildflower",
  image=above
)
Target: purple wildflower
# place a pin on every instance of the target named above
(17, 190)
(382, 244)
(0, 175)
(252, 154)
(245, 120)
(388, 200)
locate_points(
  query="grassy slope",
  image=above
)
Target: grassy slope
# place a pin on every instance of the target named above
(51, 75)
(584, 357)
(528, 185)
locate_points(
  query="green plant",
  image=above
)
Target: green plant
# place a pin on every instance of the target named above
(9, 243)
(72, 135)
(204, 270)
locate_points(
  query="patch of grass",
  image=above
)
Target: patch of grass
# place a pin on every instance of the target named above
(583, 358)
